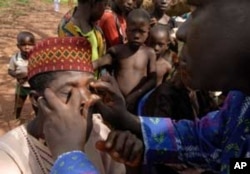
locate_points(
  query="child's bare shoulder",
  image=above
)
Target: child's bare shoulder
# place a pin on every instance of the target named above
(148, 50)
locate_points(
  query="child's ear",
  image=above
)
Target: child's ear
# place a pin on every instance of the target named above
(34, 95)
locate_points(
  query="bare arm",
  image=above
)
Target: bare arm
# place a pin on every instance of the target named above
(105, 60)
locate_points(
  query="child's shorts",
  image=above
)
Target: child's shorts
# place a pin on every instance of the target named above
(22, 91)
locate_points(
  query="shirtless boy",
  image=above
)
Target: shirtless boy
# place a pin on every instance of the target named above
(134, 64)
(159, 40)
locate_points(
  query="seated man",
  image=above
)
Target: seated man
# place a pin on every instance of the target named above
(63, 65)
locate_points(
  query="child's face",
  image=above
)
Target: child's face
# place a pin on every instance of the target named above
(97, 10)
(216, 53)
(162, 5)
(126, 5)
(137, 32)
(25, 45)
(159, 41)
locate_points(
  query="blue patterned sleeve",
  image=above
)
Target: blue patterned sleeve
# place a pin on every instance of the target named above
(198, 143)
(74, 162)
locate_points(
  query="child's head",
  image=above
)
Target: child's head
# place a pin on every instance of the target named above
(216, 52)
(97, 8)
(162, 5)
(159, 39)
(138, 25)
(124, 6)
(25, 42)
(60, 64)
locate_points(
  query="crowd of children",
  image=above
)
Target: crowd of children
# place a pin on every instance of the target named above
(122, 40)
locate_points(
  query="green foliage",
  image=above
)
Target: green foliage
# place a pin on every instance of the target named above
(8, 3)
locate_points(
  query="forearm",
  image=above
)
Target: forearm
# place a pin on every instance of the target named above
(169, 142)
(132, 123)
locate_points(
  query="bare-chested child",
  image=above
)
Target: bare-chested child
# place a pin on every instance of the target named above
(159, 40)
(159, 14)
(134, 63)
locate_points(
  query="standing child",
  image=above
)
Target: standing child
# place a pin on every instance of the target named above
(113, 21)
(81, 21)
(18, 69)
(159, 16)
(159, 40)
(56, 5)
(133, 62)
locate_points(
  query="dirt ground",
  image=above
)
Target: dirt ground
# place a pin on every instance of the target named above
(37, 17)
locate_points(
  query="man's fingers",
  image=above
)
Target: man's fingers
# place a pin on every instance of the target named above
(137, 151)
(100, 145)
(53, 101)
(88, 104)
(43, 106)
(75, 99)
(106, 83)
(111, 140)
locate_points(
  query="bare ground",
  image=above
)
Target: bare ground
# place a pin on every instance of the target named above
(37, 17)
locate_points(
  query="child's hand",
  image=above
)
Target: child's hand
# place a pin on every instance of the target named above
(21, 75)
(123, 147)
(22, 81)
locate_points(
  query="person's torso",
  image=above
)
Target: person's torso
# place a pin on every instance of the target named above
(130, 67)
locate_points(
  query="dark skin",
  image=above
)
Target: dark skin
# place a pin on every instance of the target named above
(24, 45)
(87, 13)
(210, 19)
(72, 96)
(134, 63)
(159, 41)
(159, 14)
(69, 91)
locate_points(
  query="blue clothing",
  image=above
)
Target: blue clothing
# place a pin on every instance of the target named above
(74, 162)
(208, 143)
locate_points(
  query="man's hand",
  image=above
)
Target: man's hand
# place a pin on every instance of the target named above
(65, 124)
(123, 147)
(112, 107)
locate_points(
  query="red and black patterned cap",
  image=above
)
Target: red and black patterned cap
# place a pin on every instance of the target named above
(60, 54)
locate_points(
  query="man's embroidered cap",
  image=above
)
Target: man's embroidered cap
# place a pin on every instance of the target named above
(60, 54)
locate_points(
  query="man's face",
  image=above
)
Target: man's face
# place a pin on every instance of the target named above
(215, 55)
(65, 81)
(137, 32)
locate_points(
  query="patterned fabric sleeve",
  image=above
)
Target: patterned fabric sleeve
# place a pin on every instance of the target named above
(201, 143)
(74, 162)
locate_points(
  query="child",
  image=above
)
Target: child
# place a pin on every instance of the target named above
(56, 5)
(80, 21)
(18, 69)
(159, 40)
(113, 22)
(159, 16)
(133, 62)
